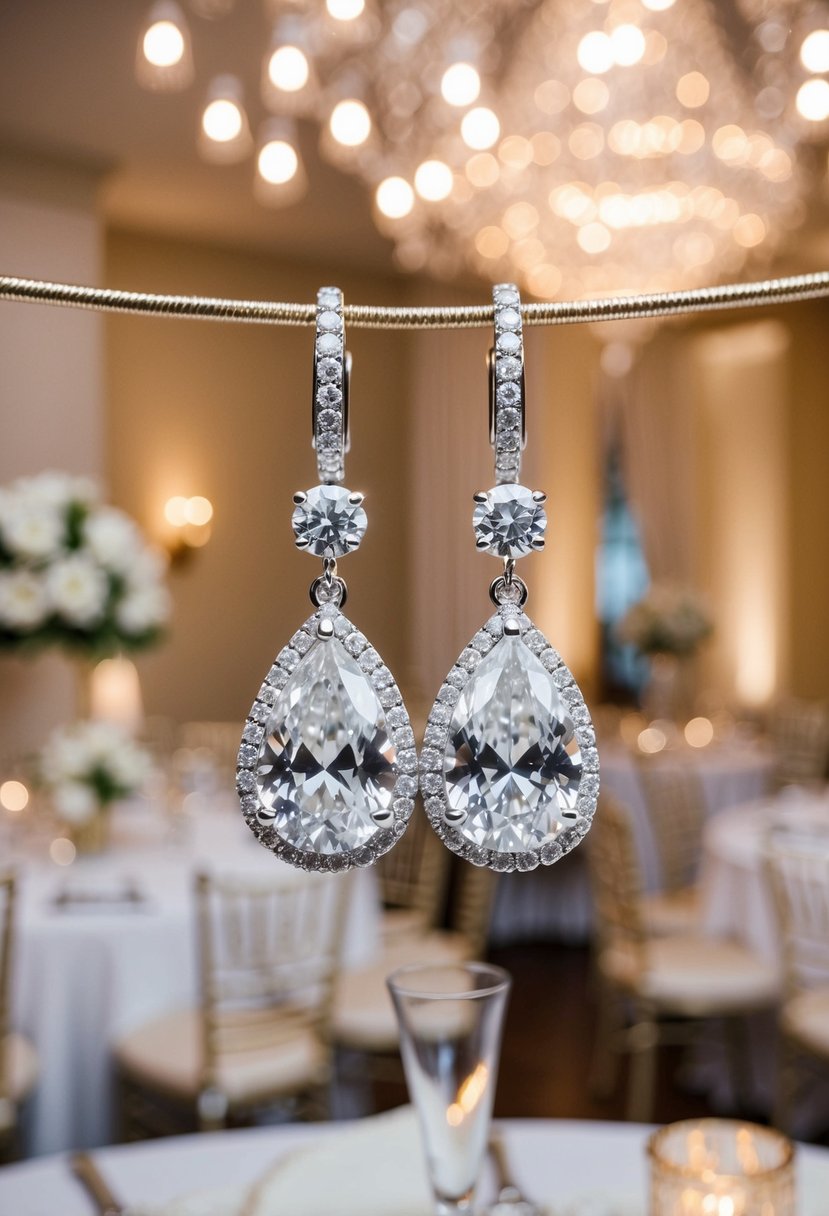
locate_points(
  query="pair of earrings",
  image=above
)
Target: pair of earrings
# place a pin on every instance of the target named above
(328, 769)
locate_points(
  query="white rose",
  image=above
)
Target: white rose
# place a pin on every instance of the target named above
(74, 802)
(128, 766)
(113, 538)
(78, 590)
(32, 530)
(65, 757)
(56, 489)
(142, 609)
(24, 603)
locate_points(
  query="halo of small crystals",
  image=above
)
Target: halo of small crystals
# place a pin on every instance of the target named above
(330, 387)
(436, 739)
(399, 729)
(508, 387)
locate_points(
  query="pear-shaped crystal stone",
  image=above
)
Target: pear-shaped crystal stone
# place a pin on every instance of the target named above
(326, 764)
(512, 764)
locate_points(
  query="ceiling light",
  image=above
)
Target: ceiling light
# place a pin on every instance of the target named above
(345, 10)
(595, 53)
(350, 123)
(460, 84)
(628, 43)
(813, 100)
(224, 134)
(814, 53)
(433, 180)
(394, 198)
(480, 128)
(164, 59)
(277, 162)
(288, 69)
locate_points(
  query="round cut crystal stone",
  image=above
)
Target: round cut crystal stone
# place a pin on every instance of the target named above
(328, 523)
(326, 764)
(509, 520)
(512, 764)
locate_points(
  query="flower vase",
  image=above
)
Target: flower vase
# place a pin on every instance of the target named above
(93, 836)
(668, 693)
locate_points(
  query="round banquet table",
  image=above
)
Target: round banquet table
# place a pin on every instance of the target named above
(555, 903)
(737, 901)
(89, 970)
(594, 1169)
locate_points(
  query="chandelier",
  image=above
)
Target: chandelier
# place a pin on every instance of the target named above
(578, 146)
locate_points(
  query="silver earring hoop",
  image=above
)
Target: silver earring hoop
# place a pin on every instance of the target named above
(509, 769)
(327, 768)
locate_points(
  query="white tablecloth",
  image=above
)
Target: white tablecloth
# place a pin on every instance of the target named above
(589, 1169)
(737, 899)
(84, 976)
(554, 902)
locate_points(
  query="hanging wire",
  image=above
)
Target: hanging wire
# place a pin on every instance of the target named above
(372, 316)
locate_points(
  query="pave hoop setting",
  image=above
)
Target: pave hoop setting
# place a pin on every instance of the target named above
(509, 769)
(327, 768)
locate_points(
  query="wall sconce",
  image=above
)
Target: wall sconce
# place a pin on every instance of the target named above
(190, 525)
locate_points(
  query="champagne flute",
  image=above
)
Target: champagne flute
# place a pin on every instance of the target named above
(451, 1018)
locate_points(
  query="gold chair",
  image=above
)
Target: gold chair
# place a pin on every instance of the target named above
(676, 812)
(800, 737)
(658, 990)
(413, 878)
(268, 958)
(799, 874)
(363, 1019)
(18, 1059)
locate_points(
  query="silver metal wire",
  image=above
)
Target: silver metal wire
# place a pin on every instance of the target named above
(372, 316)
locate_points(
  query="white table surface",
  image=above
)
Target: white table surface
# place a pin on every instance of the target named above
(594, 1169)
(555, 902)
(84, 976)
(737, 901)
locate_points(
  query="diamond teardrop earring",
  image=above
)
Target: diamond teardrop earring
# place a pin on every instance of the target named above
(327, 767)
(509, 768)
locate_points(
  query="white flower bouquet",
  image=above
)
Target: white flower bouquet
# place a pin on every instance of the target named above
(87, 766)
(669, 620)
(74, 571)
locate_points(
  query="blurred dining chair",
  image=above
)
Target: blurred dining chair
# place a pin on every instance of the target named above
(799, 874)
(676, 811)
(18, 1058)
(268, 954)
(413, 880)
(799, 732)
(364, 1025)
(658, 990)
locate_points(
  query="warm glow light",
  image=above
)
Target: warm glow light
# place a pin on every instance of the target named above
(480, 128)
(433, 180)
(222, 120)
(394, 198)
(115, 694)
(749, 230)
(277, 162)
(163, 44)
(492, 242)
(651, 740)
(199, 510)
(593, 238)
(591, 95)
(595, 53)
(460, 84)
(813, 100)
(814, 53)
(699, 732)
(350, 123)
(62, 851)
(692, 90)
(628, 43)
(288, 69)
(482, 170)
(345, 10)
(470, 1092)
(175, 511)
(657, 6)
(14, 796)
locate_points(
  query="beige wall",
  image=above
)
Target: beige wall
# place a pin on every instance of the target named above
(224, 410)
(51, 403)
